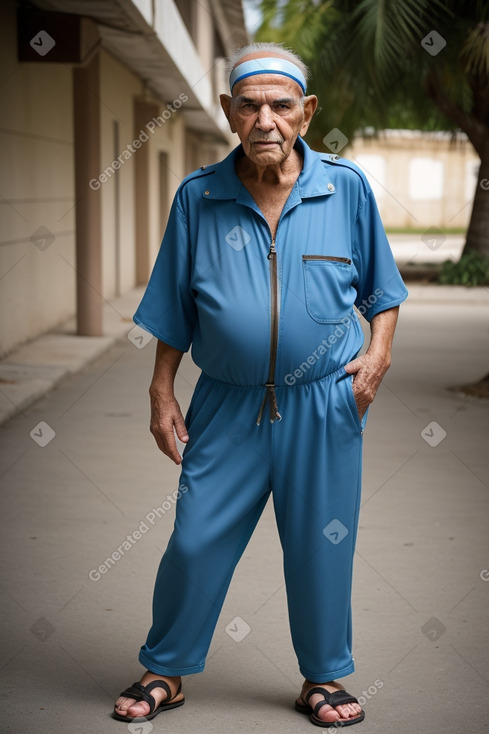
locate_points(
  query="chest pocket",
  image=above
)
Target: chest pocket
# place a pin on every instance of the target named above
(327, 284)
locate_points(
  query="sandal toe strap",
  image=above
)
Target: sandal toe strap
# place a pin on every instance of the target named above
(143, 693)
(161, 684)
(338, 698)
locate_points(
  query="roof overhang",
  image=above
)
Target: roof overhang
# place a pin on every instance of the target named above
(166, 61)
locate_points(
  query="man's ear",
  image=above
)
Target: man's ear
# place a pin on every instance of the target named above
(310, 105)
(226, 101)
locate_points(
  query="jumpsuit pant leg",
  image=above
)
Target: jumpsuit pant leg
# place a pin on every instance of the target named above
(311, 460)
(225, 471)
(316, 487)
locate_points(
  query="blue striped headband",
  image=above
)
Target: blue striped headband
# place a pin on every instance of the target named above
(267, 65)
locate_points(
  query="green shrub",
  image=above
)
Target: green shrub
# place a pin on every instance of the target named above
(472, 269)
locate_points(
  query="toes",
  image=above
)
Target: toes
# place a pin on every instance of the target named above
(330, 715)
(326, 713)
(348, 710)
(130, 707)
(355, 709)
(141, 708)
(122, 704)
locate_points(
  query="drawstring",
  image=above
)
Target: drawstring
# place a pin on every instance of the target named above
(272, 399)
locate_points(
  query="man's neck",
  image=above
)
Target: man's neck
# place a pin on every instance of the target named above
(283, 173)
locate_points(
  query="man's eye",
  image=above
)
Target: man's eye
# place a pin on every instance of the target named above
(281, 108)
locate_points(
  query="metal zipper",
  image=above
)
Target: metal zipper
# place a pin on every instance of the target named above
(270, 395)
(331, 258)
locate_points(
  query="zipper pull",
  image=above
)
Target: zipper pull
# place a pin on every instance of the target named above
(272, 250)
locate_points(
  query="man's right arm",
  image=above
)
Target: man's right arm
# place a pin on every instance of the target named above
(165, 410)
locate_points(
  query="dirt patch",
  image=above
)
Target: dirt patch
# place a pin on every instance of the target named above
(480, 389)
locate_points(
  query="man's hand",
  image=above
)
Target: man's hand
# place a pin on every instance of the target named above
(166, 420)
(166, 416)
(370, 368)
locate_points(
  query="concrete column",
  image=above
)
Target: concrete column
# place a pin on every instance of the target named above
(86, 97)
(143, 113)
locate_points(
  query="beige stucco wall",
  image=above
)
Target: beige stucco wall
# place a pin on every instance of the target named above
(118, 87)
(36, 182)
(37, 286)
(203, 35)
(170, 139)
(419, 179)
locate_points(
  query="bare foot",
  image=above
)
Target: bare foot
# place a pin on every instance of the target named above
(328, 713)
(129, 707)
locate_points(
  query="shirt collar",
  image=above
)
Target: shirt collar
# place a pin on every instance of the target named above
(313, 180)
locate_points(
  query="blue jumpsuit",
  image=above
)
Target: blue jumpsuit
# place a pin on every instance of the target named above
(271, 324)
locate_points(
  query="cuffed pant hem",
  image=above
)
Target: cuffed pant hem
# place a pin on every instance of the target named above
(154, 668)
(316, 677)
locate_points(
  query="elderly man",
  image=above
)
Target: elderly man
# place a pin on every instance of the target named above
(263, 260)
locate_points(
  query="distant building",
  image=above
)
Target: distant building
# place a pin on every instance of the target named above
(105, 107)
(420, 179)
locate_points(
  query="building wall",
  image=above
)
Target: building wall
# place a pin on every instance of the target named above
(37, 286)
(419, 179)
(118, 87)
(37, 211)
(168, 139)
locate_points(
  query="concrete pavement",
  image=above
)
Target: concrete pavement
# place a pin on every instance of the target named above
(82, 477)
(430, 248)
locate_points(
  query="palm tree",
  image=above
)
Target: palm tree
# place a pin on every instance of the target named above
(421, 64)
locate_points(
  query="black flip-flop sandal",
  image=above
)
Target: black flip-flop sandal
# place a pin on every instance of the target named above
(338, 698)
(143, 693)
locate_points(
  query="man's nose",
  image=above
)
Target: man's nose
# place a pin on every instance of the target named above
(265, 120)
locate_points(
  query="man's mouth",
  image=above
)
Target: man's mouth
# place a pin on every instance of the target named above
(265, 142)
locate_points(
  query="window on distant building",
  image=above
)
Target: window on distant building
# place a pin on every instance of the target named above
(425, 179)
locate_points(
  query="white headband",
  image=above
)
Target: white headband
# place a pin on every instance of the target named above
(267, 65)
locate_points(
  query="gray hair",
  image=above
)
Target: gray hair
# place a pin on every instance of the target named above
(276, 48)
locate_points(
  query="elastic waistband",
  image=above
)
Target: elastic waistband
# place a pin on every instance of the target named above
(302, 383)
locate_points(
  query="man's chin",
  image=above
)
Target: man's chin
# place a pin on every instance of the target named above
(266, 156)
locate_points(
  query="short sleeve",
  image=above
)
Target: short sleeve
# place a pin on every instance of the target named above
(379, 284)
(167, 309)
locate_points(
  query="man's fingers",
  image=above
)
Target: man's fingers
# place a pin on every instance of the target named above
(165, 440)
(166, 421)
(180, 428)
(364, 391)
(368, 372)
(353, 366)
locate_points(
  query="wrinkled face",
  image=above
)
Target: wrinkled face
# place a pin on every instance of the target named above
(268, 112)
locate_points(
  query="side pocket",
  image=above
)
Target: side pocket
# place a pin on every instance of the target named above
(361, 422)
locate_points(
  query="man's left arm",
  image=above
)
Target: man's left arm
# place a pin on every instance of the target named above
(370, 368)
